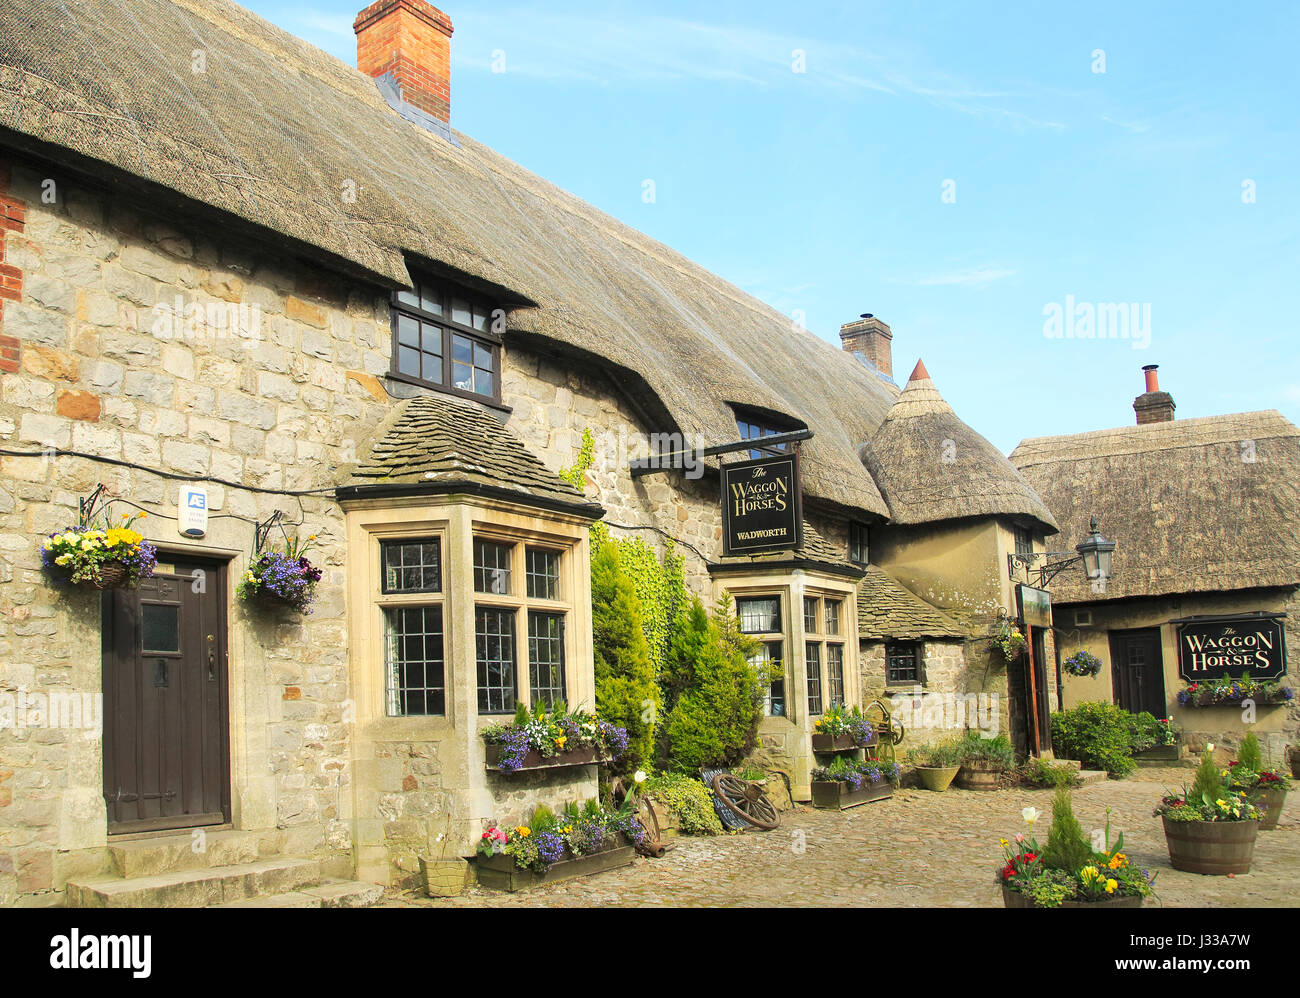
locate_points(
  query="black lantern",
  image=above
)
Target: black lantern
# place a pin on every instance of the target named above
(1096, 553)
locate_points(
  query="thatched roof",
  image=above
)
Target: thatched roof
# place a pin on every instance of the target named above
(1193, 505)
(889, 611)
(437, 444)
(273, 128)
(930, 466)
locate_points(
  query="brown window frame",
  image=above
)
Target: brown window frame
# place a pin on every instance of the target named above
(917, 648)
(446, 291)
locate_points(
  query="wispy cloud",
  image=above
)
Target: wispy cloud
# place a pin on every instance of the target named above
(974, 277)
(1133, 127)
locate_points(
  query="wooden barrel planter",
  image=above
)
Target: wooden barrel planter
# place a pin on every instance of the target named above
(535, 760)
(834, 743)
(1271, 800)
(937, 778)
(979, 776)
(837, 795)
(1014, 899)
(501, 873)
(1214, 848)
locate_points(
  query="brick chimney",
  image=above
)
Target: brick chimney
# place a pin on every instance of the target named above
(1153, 405)
(410, 41)
(869, 337)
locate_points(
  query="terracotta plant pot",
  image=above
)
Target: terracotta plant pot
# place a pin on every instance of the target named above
(1014, 899)
(979, 776)
(936, 778)
(1214, 848)
(444, 878)
(1271, 800)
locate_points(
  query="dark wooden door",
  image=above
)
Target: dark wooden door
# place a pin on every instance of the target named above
(166, 730)
(1042, 688)
(1138, 671)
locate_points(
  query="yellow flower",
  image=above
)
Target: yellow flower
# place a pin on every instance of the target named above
(1111, 885)
(523, 831)
(1005, 843)
(1089, 874)
(559, 742)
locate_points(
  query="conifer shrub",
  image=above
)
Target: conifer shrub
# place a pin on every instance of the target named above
(1068, 848)
(1250, 757)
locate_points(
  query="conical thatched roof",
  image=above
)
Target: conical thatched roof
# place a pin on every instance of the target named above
(437, 444)
(930, 466)
(272, 129)
(1193, 505)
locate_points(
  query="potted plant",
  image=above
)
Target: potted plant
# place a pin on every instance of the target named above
(444, 876)
(1158, 739)
(1082, 663)
(580, 840)
(1010, 641)
(1210, 829)
(984, 761)
(937, 764)
(1293, 757)
(841, 729)
(550, 738)
(281, 577)
(848, 782)
(97, 553)
(1068, 872)
(1265, 788)
(1229, 692)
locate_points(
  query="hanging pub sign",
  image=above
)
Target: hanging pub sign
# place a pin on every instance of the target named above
(761, 507)
(1213, 649)
(1035, 606)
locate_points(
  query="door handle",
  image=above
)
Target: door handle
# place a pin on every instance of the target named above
(212, 666)
(160, 676)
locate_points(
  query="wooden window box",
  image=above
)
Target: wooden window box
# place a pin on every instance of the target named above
(838, 795)
(834, 743)
(501, 873)
(535, 760)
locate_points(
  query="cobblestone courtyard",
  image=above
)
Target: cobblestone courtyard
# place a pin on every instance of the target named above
(917, 849)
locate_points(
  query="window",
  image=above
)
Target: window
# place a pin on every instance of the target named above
(760, 615)
(160, 628)
(859, 549)
(446, 339)
(494, 639)
(753, 430)
(492, 567)
(810, 614)
(903, 663)
(542, 573)
(412, 566)
(835, 672)
(415, 660)
(1024, 540)
(813, 656)
(833, 616)
(546, 657)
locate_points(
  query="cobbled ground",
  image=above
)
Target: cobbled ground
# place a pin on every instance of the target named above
(916, 849)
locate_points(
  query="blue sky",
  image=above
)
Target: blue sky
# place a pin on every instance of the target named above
(823, 191)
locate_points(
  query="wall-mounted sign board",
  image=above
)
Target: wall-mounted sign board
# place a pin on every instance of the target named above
(1213, 649)
(1035, 606)
(761, 505)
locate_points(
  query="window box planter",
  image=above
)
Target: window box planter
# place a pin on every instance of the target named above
(980, 776)
(1211, 847)
(501, 873)
(1162, 753)
(827, 744)
(838, 795)
(1014, 899)
(535, 760)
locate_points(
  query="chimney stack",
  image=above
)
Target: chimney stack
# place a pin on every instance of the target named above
(409, 41)
(1153, 405)
(870, 338)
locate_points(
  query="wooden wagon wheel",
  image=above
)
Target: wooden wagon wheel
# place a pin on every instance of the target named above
(746, 800)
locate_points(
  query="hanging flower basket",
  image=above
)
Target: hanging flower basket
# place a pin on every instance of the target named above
(281, 578)
(99, 556)
(1011, 642)
(1083, 664)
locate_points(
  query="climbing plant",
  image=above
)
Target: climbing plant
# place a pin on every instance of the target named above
(577, 474)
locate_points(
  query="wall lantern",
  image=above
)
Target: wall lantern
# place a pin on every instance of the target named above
(1094, 551)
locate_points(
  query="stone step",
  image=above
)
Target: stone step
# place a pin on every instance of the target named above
(196, 888)
(330, 894)
(193, 850)
(1086, 776)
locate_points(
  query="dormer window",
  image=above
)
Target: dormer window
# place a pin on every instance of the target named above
(753, 428)
(448, 339)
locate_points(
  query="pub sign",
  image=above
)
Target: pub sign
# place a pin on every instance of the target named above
(761, 507)
(1218, 648)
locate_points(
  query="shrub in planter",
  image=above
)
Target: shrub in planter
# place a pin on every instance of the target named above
(688, 799)
(1043, 773)
(1264, 786)
(1210, 828)
(937, 764)
(984, 761)
(1069, 872)
(99, 555)
(1101, 736)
